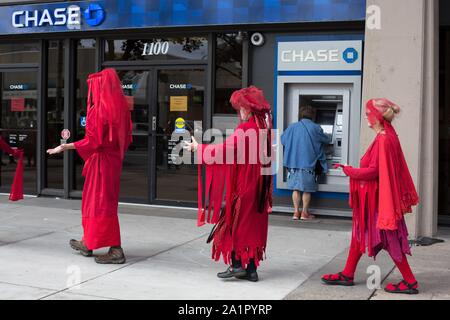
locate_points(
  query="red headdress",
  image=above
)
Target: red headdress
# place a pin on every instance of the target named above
(252, 99)
(105, 92)
(397, 193)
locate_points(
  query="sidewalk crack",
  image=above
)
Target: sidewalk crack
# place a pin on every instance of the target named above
(382, 280)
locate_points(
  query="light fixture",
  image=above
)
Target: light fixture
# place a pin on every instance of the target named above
(240, 37)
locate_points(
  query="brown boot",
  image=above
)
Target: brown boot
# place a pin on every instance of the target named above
(81, 247)
(114, 256)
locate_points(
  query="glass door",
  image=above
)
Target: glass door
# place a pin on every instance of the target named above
(135, 172)
(166, 105)
(18, 125)
(179, 111)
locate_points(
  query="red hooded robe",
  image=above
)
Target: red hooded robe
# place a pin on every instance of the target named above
(242, 226)
(108, 135)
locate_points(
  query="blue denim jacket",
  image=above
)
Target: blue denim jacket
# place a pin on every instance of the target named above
(301, 151)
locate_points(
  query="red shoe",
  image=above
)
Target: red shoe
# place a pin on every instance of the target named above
(307, 217)
(296, 216)
(338, 279)
(402, 288)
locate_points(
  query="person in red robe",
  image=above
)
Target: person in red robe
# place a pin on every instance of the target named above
(381, 193)
(240, 169)
(108, 135)
(16, 193)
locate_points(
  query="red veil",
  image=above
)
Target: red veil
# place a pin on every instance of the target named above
(397, 193)
(105, 92)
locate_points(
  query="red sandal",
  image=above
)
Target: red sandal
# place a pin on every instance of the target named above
(403, 288)
(338, 279)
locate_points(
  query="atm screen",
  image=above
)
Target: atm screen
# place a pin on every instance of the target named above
(326, 120)
(327, 129)
(326, 117)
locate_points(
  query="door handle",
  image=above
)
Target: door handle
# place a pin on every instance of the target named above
(154, 123)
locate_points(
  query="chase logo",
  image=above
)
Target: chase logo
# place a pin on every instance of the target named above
(69, 16)
(183, 86)
(94, 15)
(350, 55)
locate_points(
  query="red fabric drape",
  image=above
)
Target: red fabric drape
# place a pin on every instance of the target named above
(17, 185)
(242, 227)
(397, 193)
(108, 135)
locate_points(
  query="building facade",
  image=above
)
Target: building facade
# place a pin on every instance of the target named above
(179, 61)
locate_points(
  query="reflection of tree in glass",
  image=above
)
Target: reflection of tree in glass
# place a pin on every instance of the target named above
(228, 52)
(189, 44)
(133, 49)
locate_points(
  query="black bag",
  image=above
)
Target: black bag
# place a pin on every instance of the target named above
(216, 226)
(318, 169)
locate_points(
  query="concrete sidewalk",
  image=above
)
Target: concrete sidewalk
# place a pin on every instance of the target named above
(168, 258)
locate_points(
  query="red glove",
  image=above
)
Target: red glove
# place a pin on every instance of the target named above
(338, 166)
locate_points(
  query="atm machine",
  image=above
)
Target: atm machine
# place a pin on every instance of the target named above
(324, 72)
(329, 115)
(333, 112)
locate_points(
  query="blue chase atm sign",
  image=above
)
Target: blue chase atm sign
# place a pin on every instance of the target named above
(134, 14)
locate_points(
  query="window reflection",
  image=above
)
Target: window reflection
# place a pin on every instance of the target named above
(55, 113)
(20, 52)
(18, 126)
(85, 65)
(134, 179)
(228, 71)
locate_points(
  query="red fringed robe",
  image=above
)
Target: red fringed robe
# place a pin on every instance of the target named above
(17, 185)
(108, 135)
(381, 192)
(243, 225)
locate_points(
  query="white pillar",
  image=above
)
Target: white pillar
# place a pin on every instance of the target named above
(401, 64)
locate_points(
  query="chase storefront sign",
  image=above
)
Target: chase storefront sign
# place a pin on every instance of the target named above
(54, 17)
(70, 16)
(133, 14)
(319, 56)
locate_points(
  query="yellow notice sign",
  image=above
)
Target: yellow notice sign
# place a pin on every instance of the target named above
(178, 103)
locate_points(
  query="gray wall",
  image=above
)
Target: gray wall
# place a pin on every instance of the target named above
(401, 63)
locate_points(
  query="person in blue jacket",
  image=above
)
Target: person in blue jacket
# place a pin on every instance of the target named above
(303, 147)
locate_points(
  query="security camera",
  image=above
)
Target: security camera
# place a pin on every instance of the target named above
(257, 39)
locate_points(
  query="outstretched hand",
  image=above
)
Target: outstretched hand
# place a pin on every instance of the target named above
(56, 150)
(192, 146)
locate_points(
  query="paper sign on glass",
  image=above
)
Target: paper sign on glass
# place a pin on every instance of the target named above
(130, 101)
(17, 104)
(178, 103)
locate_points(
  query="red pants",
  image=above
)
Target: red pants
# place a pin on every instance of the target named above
(355, 255)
